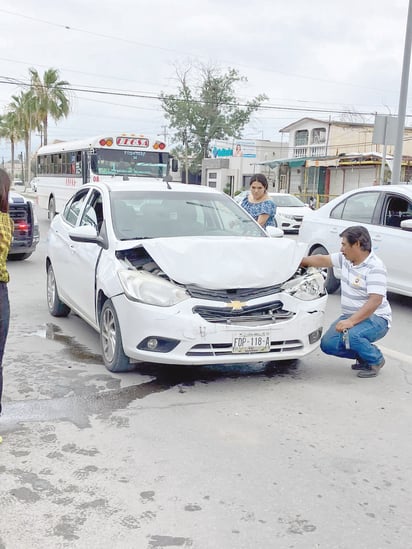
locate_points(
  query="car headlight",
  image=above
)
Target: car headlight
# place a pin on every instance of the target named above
(286, 216)
(309, 286)
(150, 289)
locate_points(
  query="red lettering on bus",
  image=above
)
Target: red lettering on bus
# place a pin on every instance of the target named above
(132, 141)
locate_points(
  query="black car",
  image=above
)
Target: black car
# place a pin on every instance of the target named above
(26, 229)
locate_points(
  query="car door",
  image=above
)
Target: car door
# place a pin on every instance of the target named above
(60, 245)
(83, 260)
(392, 244)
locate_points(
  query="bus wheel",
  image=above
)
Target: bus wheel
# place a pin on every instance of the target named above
(52, 208)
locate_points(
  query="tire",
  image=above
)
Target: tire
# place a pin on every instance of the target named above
(331, 282)
(51, 212)
(113, 354)
(55, 305)
(19, 257)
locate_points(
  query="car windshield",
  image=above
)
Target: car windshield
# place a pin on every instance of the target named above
(138, 214)
(130, 163)
(286, 200)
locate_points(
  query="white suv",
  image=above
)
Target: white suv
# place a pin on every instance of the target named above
(386, 211)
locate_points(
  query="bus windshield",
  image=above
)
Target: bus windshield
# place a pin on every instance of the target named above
(132, 163)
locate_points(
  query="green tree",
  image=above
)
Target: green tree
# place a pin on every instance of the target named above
(9, 130)
(205, 108)
(24, 108)
(52, 98)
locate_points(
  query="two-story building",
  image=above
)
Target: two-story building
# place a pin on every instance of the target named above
(328, 157)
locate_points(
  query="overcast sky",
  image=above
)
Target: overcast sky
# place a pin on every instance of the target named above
(330, 55)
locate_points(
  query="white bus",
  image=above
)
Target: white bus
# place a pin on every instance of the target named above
(63, 167)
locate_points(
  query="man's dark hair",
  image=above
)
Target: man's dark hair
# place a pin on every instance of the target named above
(359, 234)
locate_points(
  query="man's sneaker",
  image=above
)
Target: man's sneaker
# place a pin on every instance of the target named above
(359, 365)
(372, 371)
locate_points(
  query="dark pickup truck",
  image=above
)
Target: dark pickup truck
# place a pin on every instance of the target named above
(26, 228)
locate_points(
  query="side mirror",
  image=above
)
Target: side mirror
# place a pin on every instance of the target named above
(274, 232)
(406, 225)
(175, 165)
(88, 234)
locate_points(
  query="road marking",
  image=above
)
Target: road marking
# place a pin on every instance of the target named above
(396, 354)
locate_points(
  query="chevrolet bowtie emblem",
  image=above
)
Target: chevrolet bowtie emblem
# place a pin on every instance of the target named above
(236, 305)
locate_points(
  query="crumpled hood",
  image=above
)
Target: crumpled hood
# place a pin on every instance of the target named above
(218, 263)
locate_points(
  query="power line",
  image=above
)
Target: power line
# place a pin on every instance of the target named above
(157, 97)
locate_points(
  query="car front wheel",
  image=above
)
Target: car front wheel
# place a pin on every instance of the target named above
(55, 305)
(114, 357)
(331, 282)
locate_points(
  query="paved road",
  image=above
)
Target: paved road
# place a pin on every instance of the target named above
(264, 456)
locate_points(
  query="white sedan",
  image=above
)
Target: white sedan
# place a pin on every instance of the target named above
(180, 274)
(386, 211)
(290, 210)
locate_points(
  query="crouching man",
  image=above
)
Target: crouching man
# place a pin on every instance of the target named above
(366, 314)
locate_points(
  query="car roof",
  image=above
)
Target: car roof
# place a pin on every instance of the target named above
(131, 185)
(385, 188)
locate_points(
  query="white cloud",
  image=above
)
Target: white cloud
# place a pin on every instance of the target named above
(324, 54)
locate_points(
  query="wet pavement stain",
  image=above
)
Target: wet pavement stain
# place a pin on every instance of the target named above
(169, 541)
(79, 408)
(75, 350)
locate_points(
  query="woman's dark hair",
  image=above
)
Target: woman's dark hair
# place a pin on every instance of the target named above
(360, 234)
(260, 178)
(4, 191)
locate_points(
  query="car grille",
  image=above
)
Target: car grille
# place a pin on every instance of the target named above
(241, 294)
(223, 349)
(252, 315)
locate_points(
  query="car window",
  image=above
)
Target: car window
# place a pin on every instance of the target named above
(396, 209)
(74, 206)
(93, 211)
(286, 200)
(358, 207)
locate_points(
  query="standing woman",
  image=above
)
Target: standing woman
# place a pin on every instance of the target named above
(6, 235)
(258, 203)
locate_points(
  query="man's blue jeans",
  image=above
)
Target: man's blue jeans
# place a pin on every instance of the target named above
(361, 338)
(4, 327)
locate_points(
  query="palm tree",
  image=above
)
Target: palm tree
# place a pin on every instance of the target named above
(9, 130)
(52, 97)
(24, 108)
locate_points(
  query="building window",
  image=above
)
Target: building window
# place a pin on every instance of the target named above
(318, 136)
(212, 175)
(212, 184)
(301, 138)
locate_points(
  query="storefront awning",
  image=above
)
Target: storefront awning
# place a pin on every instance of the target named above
(291, 162)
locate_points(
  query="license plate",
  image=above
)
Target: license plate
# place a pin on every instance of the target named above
(251, 342)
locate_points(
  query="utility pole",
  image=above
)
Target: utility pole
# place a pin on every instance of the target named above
(397, 157)
(164, 133)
